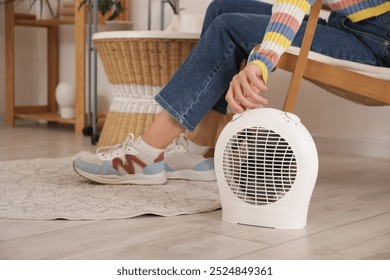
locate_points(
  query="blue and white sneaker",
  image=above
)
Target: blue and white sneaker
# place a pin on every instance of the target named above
(181, 164)
(121, 164)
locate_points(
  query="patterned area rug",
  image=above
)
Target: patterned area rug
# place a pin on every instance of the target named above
(48, 189)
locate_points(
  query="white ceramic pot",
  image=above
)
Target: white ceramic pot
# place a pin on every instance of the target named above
(175, 24)
(66, 97)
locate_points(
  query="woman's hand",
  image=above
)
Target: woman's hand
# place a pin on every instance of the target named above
(245, 89)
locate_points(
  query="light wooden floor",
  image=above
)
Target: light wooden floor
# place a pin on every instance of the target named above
(349, 217)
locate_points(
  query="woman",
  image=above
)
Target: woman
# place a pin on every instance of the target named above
(209, 80)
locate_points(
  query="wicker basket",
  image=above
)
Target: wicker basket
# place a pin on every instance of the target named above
(137, 65)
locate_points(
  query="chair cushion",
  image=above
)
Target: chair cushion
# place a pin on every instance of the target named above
(382, 73)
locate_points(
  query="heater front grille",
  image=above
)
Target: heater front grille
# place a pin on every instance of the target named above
(259, 166)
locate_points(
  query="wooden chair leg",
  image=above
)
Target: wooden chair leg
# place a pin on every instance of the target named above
(10, 62)
(303, 54)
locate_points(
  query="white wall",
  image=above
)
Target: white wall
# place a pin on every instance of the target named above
(338, 125)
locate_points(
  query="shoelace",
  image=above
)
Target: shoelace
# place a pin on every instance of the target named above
(123, 146)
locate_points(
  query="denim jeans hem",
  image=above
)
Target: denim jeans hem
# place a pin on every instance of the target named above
(173, 113)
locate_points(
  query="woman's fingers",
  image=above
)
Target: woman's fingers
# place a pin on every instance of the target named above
(234, 104)
(245, 90)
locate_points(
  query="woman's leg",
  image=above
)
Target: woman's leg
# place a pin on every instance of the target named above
(206, 131)
(201, 82)
(165, 129)
(162, 131)
(205, 75)
(373, 32)
(219, 7)
(204, 134)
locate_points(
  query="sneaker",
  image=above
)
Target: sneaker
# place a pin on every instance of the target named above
(181, 164)
(121, 164)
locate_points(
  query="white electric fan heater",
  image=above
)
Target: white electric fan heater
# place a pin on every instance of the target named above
(266, 164)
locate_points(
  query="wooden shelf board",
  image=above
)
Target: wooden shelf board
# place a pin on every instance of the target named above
(43, 22)
(52, 117)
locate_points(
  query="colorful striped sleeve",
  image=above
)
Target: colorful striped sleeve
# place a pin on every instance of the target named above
(287, 16)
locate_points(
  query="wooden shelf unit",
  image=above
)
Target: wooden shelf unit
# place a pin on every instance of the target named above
(48, 112)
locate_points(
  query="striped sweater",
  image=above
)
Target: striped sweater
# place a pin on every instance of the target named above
(287, 16)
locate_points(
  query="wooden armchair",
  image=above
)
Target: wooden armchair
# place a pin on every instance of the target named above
(364, 87)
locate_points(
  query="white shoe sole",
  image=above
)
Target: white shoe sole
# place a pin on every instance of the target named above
(131, 179)
(187, 174)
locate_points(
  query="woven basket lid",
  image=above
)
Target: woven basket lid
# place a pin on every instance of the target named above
(145, 34)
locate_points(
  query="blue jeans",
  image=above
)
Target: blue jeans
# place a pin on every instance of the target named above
(232, 29)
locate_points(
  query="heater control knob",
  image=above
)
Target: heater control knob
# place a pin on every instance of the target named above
(293, 117)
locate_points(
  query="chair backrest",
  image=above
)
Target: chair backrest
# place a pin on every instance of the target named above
(359, 87)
